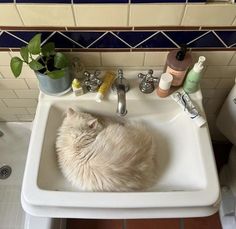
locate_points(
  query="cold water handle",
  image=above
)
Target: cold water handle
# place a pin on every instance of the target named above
(121, 86)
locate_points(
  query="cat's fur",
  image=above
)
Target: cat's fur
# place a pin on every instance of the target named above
(96, 156)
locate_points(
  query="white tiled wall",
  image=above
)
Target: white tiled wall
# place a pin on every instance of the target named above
(18, 97)
(211, 14)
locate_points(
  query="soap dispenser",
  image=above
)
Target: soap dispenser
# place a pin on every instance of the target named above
(177, 64)
(193, 78)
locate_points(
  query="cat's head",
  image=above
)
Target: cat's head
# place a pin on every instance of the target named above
(81, 121)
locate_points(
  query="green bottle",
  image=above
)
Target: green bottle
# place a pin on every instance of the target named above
(192, 80)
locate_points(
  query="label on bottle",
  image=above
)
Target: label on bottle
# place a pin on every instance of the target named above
(178, 76)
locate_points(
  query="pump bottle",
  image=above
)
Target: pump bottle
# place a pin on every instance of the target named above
(193, 78)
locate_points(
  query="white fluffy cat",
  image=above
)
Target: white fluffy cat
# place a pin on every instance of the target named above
(105, 156)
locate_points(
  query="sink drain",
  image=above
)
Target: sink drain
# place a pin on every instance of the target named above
(5, 172)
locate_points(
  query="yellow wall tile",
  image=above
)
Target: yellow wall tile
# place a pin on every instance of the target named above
(209, 15)
(20, 102)
(25, 73)
(89, 59)
(30, 93)
(7, 94)
(155, 58)
(156, 14)
(120, 59)
(32, 83)
(13, 84)
(214, 57)
(233, 61)
(9, 15)
(101, 14)
(46, 14)
(220, 72)
(5, 57)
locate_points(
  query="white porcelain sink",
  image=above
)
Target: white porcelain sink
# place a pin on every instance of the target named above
(187, 185)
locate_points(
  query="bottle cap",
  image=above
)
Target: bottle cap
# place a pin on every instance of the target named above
(199, 65)
(181, 53)
(199, 120)
(165, 81)
(75, 83)
(99, 97)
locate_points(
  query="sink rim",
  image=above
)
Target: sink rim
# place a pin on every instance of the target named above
(39, 197)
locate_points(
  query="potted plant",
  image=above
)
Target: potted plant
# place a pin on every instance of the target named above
(50, 67)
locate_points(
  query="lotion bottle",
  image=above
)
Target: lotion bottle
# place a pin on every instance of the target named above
(177, 64)
(193, 78)
(103, 89)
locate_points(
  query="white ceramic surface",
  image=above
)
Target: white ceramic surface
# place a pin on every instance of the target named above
(187, 185)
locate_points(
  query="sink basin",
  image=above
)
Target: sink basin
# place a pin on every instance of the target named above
(187, 184)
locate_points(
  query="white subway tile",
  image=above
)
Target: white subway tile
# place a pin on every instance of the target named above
(233, 61)
(46, 14)
(209, 15)
(15, 110)
(25, 118)
(155, 58)
(13, 84)
(156, 14)
(89, 59)
(32, 83)
(2, 104)
(5, 58)
(226, 83)
(9, 15)
(220, 72)
(217, 93)
(214, 57)
(30, 93)
(31, 110)
(20, 102)
(101, 14)
(213, 105)
(8, 118)
(7, 94)
(25, 73)
(120, 59)
(209, 83)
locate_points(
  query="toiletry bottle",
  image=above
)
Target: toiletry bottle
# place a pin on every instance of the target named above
(194, 76)
(76, 87)
(177, 64)
(103, 89)
(163, 88)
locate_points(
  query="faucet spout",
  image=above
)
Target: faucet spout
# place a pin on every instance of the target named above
(121, 86)
(121, 105)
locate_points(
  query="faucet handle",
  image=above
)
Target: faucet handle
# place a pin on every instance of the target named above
(147, 83)
(148, 78)
(92, 82)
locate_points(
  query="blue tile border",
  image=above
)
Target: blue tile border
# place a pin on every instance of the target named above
(118, 39)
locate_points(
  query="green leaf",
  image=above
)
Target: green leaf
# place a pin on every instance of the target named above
(16, 66)
(60, 60)
(35, 65)
(56, 74)
(24, 53)
(48, 49)
(34, 44)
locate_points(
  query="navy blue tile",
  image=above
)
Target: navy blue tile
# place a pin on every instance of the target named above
(62, 42)
(196, 1)
(26, 35)
(4, 1)
(183, 37)
(134, 38)
(229, 37)
(101, 1)
(157, 1)
(109, 41)
(157, 41)
(209, 40)
(83, 38)
(43, 1)
(8, 41)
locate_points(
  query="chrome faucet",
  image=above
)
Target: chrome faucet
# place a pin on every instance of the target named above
(121, 86)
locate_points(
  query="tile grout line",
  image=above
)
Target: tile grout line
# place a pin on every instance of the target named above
(181, 223)
(231, 59)
(124, 224)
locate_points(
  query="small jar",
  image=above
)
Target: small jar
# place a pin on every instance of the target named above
(163, 88)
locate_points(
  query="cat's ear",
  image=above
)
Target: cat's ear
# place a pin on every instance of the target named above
(93, 123)
(70, 112)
